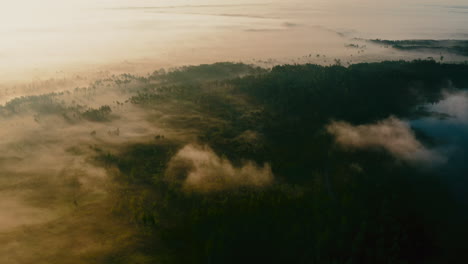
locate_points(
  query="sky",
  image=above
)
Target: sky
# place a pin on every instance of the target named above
(49, 36)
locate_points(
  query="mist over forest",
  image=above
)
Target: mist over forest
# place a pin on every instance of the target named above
(321, 132)
(230, 162)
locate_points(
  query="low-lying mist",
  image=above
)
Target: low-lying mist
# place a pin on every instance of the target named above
(447, 126)
(200, 169)
(54, 199)
(138, 168)
(53, 40)
(337, 134)
(57, 199)
(390, 134)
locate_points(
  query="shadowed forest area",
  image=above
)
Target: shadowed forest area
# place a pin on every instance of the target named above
(326, 203)
(459, 47)
(231, 163)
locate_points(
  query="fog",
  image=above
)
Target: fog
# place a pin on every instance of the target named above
(200, 169)
(56, 201)
(449, 133)
(391, 134)
(56, 39)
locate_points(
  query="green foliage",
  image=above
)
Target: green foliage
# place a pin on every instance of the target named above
(40, 104)
(206, 72)
(101, 114)
(327, 205)
(343, 215)
(360, 93)
(459, 47)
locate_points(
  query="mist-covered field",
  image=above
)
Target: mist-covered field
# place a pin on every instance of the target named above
(54, 38)
(233, 131)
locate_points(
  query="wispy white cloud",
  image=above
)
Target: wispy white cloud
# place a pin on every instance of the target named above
(391, 134)
(199, 168)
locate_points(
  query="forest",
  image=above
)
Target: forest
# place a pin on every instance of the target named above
(459, 47)
(326, 203)
(293, 164)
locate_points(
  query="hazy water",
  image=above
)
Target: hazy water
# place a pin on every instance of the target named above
(450, 138)
(451, 129)
(50, 35)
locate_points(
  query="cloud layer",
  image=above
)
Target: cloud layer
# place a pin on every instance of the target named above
(391, 134)
(198, 168)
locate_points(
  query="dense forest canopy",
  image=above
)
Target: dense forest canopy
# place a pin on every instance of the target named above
(229, 163)
(459, 47)
(327, 203)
